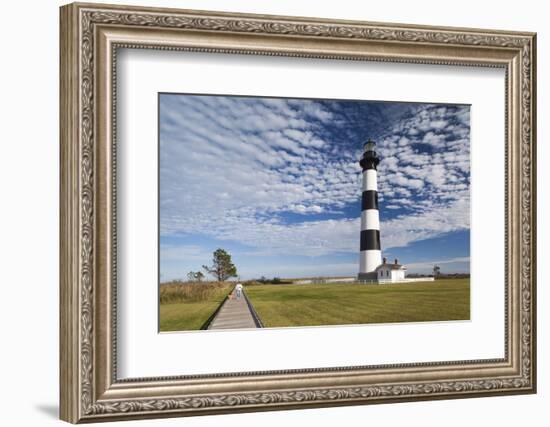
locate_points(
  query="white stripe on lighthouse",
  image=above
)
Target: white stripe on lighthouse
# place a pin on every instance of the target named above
(370, 181)
(369, 260)
(370, 220)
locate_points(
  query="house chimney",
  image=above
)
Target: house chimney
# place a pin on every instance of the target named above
(395, 261)
(385, 259)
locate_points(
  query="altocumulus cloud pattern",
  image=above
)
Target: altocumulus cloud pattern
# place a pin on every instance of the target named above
(276, 181)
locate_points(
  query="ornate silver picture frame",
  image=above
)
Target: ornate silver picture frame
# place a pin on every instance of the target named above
(91, 36)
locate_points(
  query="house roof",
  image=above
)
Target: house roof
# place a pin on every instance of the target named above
(391, 266)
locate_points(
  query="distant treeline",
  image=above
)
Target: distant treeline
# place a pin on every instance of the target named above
(275, 281)
(453, 276)
(441, 275)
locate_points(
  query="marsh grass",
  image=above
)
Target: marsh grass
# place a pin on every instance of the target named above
(174, 292)
(186, 306)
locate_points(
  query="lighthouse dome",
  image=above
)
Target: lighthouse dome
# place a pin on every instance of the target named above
(369, 146)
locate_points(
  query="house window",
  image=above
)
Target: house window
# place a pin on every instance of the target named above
(381, 273)
(388, 273)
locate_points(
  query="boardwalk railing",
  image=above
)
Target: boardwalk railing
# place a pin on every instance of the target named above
(255, 315)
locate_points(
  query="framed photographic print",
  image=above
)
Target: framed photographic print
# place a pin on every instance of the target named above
(271, 196)
(266, 212)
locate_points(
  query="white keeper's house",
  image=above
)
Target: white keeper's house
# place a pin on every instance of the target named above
(390, 272)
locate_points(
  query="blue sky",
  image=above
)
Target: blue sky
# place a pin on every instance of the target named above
(276, 182)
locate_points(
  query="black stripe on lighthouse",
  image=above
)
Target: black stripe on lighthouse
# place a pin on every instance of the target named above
(369, 200)
(370, 240)
(369, 161)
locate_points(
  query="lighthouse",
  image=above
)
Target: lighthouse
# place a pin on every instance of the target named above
(370, 256)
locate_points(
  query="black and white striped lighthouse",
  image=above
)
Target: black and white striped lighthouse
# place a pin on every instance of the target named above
(371, 255)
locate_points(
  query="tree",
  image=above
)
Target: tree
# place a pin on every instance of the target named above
(191, 276)
(437, 270)
(199, 275)
(222, 267)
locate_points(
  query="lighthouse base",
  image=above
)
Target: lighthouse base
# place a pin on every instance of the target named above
(368, 277)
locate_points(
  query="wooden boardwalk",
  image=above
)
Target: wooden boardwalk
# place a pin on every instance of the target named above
(234, 314)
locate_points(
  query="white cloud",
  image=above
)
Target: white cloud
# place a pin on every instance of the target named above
(245, 152)
(431, 223)
(183, 252)
(314, 238)
(431, 138)
(230, 167)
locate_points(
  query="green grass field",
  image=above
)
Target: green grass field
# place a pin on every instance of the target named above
(341, 304)
(190, 315)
